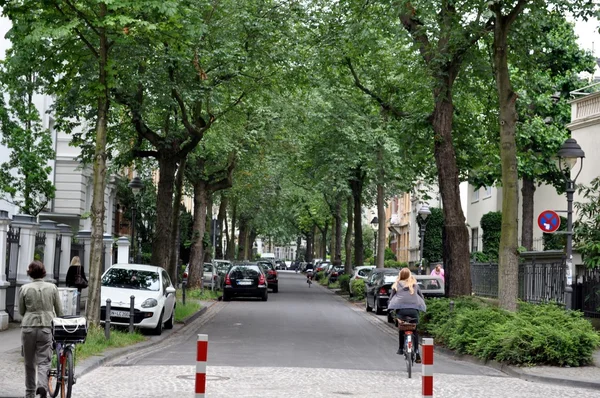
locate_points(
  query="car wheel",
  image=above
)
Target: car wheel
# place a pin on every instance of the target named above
(378, 310)
(275, 289)
(226, 297)
(265, 296)
(169, 323)
(367, 306)
(158, 329)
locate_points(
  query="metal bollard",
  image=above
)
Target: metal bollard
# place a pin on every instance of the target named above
(107, 320)
(427, 370)
(201, 356)
(451, 306)
(131, 313)
(183, 285)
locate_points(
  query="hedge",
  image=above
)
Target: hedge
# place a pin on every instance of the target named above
(535, 334)
(358, 288)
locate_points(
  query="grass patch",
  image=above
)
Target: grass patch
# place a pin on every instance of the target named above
(95, 342)
(334, 285)
(197, 294)
(184, 311)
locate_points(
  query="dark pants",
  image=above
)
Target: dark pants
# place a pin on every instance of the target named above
(410, 313)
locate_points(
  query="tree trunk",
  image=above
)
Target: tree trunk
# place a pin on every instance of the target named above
(337, 244)
(251, 238)
(208, 248)
(164, 212)
(356, 186)
(309, 247)
(348, 239)
(196, 271)
(332, 239)
(242, 240)
(324, 240)
(508, 265)
(174, 257)
(457, 242)
(99, 181)
(221, 221)
(381, 226)
(528, 192)
(231, 238)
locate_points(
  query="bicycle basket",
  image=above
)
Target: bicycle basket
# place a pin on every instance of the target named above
(406, 326)
(69, 329)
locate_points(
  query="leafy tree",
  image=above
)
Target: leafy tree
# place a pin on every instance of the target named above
(491, 224)
(433, 245)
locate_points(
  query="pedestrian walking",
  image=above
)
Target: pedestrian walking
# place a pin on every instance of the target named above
(76, 278)
(39, 303)
(439, 271)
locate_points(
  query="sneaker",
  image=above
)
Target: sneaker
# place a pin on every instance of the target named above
(41, 391)
(418, 358)
(400, 351)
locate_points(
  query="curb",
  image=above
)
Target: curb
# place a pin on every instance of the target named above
(95, 362)
(512, 371)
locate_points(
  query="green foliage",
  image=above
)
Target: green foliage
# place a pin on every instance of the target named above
(433, 245)
(394, 264)
(389, 254)
(491, 224)
(587, 227)
(535, 334)
(481, 257)
(344, 282)
(556, 241)
(184, 311)
(358, 288)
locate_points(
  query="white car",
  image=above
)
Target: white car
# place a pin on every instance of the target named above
(154, 296)
(210, 276)
(360, 273)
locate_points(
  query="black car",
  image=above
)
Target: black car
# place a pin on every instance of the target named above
(377, 288)
(336, 272)
(280, 265)
(245, 280)
(271, 272)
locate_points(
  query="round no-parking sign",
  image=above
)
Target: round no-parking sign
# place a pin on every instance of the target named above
(549, 221)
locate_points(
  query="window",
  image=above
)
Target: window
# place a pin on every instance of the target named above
(475, 194)
(488, 192)
(474, 239)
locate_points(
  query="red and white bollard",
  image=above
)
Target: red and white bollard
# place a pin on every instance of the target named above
(201, 355)
(427, 361)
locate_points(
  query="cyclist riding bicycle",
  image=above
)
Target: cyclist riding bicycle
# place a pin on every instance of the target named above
(407, 301)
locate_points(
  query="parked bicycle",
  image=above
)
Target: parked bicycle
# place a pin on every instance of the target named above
(67, 331)
(408, 327)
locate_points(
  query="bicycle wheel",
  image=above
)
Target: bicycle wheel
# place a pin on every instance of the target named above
(67, 379)
(54, 374)
(408, 356)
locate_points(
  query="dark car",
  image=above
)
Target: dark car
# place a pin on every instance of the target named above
(377, 289)
(336, 272)
(431, 286)
(272, 277)
(245, 280)
(280, 265)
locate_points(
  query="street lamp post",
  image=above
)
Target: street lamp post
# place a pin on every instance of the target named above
(568, 154)
(424, 212)
(375, 225)
(135, 185)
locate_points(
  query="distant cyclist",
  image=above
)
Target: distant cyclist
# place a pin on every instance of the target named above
(407, 300)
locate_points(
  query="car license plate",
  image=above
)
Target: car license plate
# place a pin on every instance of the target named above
(119, 314)
(244, 283)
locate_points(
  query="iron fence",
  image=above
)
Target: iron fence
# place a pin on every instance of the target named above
(57, 257)
(40, 246)
(484, 279)
(13, 239)
(588, 293)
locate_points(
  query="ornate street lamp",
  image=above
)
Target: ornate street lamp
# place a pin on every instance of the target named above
(568, 154)
(423, 212)
(375, 225)
(136, 186)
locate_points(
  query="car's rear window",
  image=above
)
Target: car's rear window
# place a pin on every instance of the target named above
(429, 284)
(131, 279)
(208, 268)
(364, 272)
(389, 278)
(244, 271)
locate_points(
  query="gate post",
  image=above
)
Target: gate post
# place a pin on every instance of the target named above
(123, 253)
(4, 221)
(108, 247)
(49, 227)
(29, 227)
(65, 250)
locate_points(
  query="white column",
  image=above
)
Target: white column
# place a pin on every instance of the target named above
(29, 227)
(108, 246)
(4, 221)
(65, 251)
(123, 250)
(49, 227)
(85, 237)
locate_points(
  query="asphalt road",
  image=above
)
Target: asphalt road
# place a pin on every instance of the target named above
(299, 327)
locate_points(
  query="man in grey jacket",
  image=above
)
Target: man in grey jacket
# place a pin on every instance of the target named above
(39, 303)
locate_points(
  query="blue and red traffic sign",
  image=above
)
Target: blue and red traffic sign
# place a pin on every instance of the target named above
(549, 221)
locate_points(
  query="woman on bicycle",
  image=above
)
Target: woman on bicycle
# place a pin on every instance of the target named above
(407, 300)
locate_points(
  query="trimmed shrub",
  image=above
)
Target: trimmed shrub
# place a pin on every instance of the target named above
(358, 288)
(394, 264)
(344, 281)
(320, 275)
(535, 334)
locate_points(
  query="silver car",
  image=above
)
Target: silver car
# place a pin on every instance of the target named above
(360, 273)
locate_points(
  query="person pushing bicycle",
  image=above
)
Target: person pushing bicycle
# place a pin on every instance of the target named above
(406, 299)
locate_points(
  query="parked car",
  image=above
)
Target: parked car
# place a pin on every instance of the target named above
(210, 276)
(271, 272)
(245, 280)
(336, 272)
(321, 266)
(431, 286)
(222, 268)
(154, 304)
(280, 264)
(377, 289)
(360, 273)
